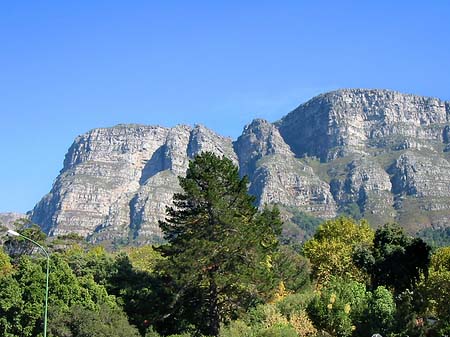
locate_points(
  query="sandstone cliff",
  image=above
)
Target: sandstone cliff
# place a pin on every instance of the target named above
(379, 152)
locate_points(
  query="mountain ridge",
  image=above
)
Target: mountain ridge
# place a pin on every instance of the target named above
(376, 151)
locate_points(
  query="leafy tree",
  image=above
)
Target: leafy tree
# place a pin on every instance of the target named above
(271, 319)
(95, 262)
(82, 322)
(332, 248)
(5, 264)
(11, 304)
(143, 295)
(437, 289)
(18, 246)
(440, 260)
(237, 328)
(293, 269)
(380, 312)
(281, 330)
(220, 249)
(395, 260)
(144, 258)
(22, 294)
(339, 307)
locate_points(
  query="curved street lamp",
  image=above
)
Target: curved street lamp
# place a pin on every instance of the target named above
(14, 233)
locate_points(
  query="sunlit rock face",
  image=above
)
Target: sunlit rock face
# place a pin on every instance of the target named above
(352, 121)
(277, 176)
(116, 182)
(380, 153)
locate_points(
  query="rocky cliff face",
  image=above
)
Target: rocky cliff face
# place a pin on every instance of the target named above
(116, 182)
(345, 122)
(276, 176)
(381, 154)
(7, 219)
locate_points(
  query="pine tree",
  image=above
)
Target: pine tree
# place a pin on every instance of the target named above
(219, 247)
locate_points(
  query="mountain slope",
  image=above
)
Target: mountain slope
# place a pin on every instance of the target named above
(382, 154)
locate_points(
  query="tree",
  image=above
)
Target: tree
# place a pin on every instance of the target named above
(82, 322)
(339, 307)
(437, 289)
(332, 248)
(381, 311)
(22, 292)
(17, 246)
(220, 248)
(293, 269)
(5, 264)
(395, 260)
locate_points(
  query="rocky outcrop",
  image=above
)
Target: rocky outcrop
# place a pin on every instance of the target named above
(367, 186)
(116, 182)
(342, 122)
(379, 153)
(276, 176)
(259, 139)
(9, 218)
(421, 185)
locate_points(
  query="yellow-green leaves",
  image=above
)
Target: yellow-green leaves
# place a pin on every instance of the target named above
(331, 249)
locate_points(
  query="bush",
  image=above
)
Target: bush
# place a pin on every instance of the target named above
(279, 330)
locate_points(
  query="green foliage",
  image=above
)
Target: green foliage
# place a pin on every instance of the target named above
(79, 321)
(381, 311)
(22, 294)
(268, 319)
(332, 248)
(437, 289)
(18, 246)
(339, 307)
(301, 227)
(237, 328)
(11, 305)
(220, 248)
(144, 258)
(439, 237)
(293, 269)
(151, 333)
(352, 210)
(295, 303)
(440, 260)
(95, 262)
(396, 260)
(25, 307)
(5, 264)
(280, 330)
(144, 296)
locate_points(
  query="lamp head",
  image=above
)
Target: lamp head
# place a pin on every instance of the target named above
(12, 233)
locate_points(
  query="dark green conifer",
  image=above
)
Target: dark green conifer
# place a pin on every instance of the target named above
(219, 247)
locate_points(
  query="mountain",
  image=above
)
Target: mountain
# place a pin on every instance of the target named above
(379, 154)
(8, 219)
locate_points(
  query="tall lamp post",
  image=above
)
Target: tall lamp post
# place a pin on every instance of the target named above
(14, 233)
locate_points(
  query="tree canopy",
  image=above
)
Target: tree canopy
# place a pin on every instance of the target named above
(332, 248)
(220, 248)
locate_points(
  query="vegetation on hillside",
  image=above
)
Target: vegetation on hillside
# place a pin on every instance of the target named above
(224, 272)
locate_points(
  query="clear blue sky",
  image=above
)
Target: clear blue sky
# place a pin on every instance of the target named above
(69, 66)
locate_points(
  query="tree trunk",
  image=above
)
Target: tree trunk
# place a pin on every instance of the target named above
(213, 310)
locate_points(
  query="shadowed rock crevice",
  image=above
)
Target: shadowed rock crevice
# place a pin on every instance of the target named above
(154, 165)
